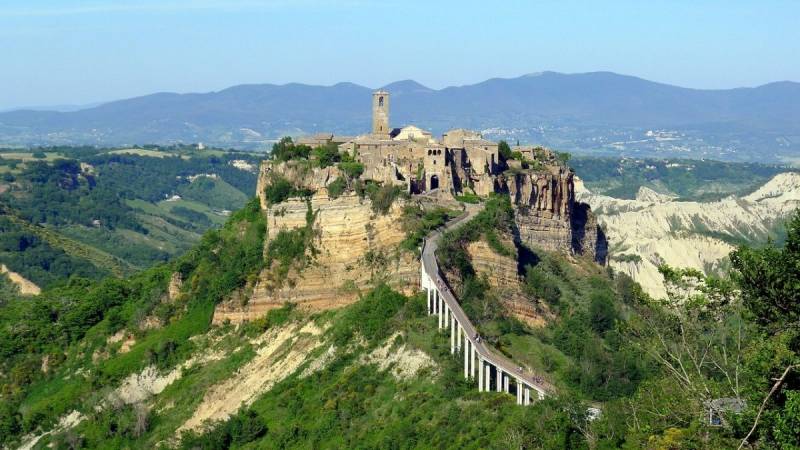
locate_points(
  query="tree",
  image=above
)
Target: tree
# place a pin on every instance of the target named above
(601, 312)
(327, 155)
(286, 149)
(769, 278)
(504, 149)
(698, 336)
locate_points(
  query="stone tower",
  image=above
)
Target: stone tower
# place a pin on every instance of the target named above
(380, 114)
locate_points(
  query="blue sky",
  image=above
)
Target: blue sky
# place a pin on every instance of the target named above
(76, 52)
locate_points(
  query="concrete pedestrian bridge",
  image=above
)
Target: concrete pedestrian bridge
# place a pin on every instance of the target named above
(494, 371)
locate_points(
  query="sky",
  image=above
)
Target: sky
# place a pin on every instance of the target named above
(80, 52)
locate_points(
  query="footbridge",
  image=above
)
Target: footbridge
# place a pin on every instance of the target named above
(493, 372)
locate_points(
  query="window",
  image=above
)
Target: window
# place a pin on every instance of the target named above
(380, 102)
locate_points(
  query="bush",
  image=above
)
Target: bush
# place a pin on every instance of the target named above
(352, 169)
(541, 284)
(285, 150)
(468, 197)
(383, 198)
(280, 189)
(326, 155)
(370, 316)
(246, 426)
(418, 223)
(337, 187)
(601, 312)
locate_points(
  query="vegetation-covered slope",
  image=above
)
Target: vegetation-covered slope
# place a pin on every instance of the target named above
(91, 212)
(699, 180)
(135, 363)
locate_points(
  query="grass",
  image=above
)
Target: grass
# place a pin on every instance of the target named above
(216, 194)
(469, 197)
(145, 152)
(28, 156)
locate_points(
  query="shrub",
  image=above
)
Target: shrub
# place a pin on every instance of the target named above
(352, 169)
(601, 312)
(468, 197)
(417, 223)
(280, 189)
(337, 187)
(246, 426)
(326, 155)
(542, 285)
(370, 316)
(285, 150)
(383, 198)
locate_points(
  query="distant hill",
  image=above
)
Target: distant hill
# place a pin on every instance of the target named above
(600, 112)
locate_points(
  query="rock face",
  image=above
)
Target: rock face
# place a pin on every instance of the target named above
(25, 286)
(355, 249)
(503, 276)
(298, 173)
(654, 228)
(547, 215)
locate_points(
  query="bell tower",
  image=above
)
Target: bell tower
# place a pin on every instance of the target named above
(380, 114)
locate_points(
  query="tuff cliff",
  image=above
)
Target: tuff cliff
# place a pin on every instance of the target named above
(299, 173)
(351, 248)
(502, 274)
(548, 216)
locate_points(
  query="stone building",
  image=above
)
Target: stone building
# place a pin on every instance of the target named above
(412, 157)
(539, 184)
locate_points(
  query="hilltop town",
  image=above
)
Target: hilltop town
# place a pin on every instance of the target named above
(354, 238)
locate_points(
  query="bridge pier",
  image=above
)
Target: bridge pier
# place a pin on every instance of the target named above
(472, 360)
(488, 378)
(430, 301)
(452, 322)
(480, 375)
(527, 400)
(466, 359)
(438, 307)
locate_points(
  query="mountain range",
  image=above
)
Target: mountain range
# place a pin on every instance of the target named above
(598, 112)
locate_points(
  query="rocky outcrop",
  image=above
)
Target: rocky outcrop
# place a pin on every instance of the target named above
(299, 173)
(503, 276)
(174, 287)
(547, 215)
(654, 229)
(25, 286)
(355, 248)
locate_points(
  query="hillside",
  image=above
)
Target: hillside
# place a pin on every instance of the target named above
(143, 367)
(686, 179)
(301, 323)
(137, 363)
(92, 212)
(655, 229)
(598, 112)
